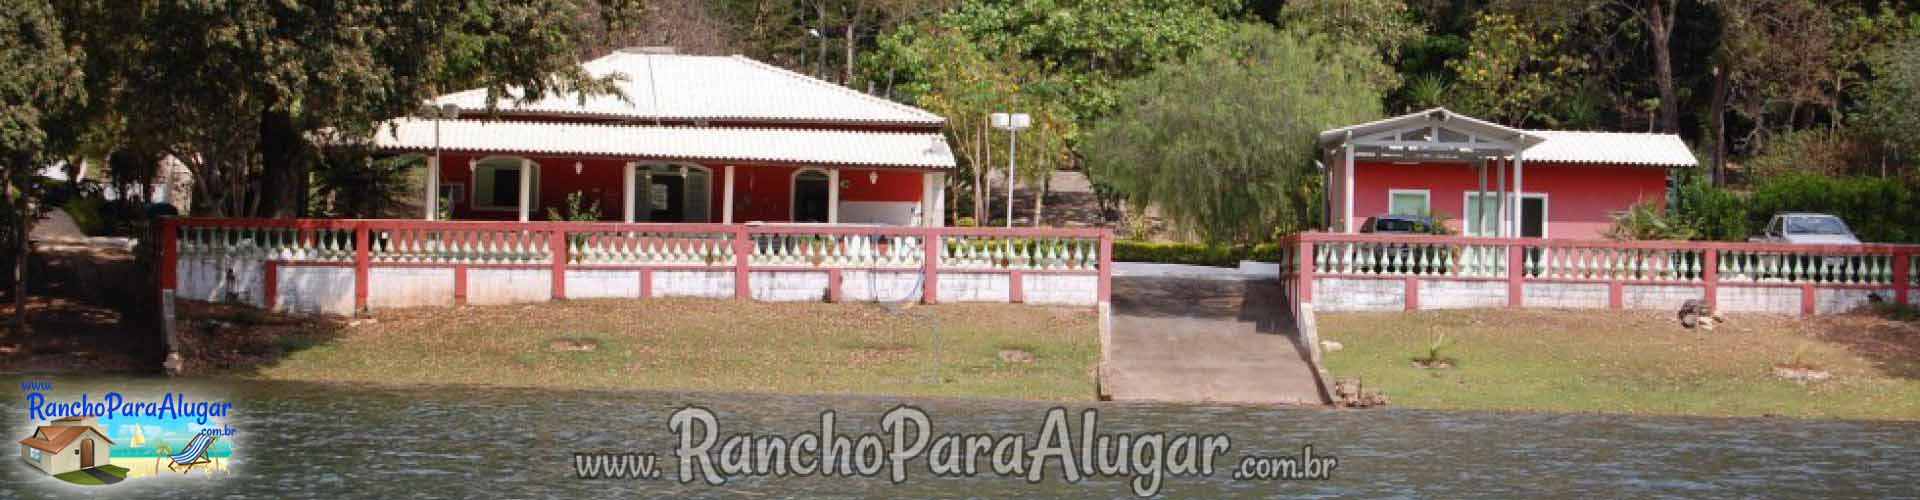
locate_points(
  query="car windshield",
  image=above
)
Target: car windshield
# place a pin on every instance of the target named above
(1815, 225)
(1399, 226)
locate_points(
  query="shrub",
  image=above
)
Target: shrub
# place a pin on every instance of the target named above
(1192, 253)
(1643, 221)
(1878, 210)
(90, 214)
(1711, 213)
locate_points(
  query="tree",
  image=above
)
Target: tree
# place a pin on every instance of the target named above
(36, 97)
(1892, 102)
(1223, 142)
(1383, 25)
(1513, 71)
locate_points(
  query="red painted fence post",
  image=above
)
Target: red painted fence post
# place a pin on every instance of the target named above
(1303, 273)
(1516, 272)
(557, 244)
(1902, 277)
(169, 253)
(270, 283)
(1106, 266)
(742, 250)
(930, 266)
(1710, 275)
(362, 266)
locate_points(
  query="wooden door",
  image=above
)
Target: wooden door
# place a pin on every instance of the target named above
(86, 453)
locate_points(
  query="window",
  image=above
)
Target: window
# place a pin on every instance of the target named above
(453, 193)
(33, 454)
(1482, 214)
(1408, 202)
(496, 184)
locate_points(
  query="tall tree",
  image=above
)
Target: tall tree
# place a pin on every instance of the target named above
(36, 96)
(1223, 142)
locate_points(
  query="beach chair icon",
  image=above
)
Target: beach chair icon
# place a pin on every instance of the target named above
(194, 454)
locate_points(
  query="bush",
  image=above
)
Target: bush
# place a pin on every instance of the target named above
(1879, 210)
(1192, 253)
(89, 214)
(1711, 213)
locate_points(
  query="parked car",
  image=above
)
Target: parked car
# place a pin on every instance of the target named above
(1398, 224)
(1802, 228)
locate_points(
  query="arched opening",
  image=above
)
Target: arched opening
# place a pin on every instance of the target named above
(496, 184)
(86, 453)
(810, 193)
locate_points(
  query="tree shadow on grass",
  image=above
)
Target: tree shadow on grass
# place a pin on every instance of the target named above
(1888, 338)
(242, 339)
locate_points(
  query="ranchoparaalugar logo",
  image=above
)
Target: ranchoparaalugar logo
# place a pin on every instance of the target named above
(105, 440)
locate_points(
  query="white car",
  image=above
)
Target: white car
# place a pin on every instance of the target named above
(1801, 228)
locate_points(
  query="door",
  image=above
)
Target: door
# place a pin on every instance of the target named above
(86, 453)
(1533, 217)
(810, 197)
(666, 198)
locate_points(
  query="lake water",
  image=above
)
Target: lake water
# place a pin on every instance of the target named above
(330, 441)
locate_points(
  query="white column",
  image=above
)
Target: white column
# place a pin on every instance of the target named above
(527, 167)
(1479, 221)
(433, 188)
(626, 193)
(1500, 200)
(726, 197)
(938, 215)
(833, 196)
(1519, 195)
(1347, 213)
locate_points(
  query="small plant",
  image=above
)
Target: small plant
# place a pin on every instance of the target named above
(1643, 221)
(444, 210)
(1435, 357)
(578, 209)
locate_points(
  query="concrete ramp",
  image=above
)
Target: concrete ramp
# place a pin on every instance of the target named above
(1205, 337)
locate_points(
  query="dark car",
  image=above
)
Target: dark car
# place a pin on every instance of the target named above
(1398, 224)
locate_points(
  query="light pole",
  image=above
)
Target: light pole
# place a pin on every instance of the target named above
(1012, 123)
(437, 113)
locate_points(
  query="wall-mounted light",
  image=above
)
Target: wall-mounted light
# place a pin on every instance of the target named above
(873, 177)
(576, 168)
(472, 165)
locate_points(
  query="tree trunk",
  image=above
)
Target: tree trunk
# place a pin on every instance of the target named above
(283, 187)
(22, 246)
(851, 38)
(1719, 111)
(1039, 200)
(1660, 24)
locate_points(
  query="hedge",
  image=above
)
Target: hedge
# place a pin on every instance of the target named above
(1192, 253)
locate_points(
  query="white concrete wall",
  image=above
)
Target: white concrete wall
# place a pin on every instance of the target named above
(1347, 294)
(974, 287)
(880, 286)
(1060, 289)
(896, 213)
(396, 287)
(787, 286)
(603, 284)
(1841, 301)
(1758, 299)
(1561, 295)
(710, 284)
(508, 286)
(222, 279)
(1660, 297)
(1460, 294)
(322, 290)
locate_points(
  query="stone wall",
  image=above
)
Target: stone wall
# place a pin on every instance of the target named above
(1346, 294)
(1461, 294)
(321, 290)
(1389, 294)
(1563, 295)
(1759, 299)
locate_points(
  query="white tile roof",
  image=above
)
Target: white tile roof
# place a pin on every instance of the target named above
(772, 145)
(1612, 148)
(687, 87)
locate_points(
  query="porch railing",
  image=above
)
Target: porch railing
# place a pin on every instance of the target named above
(559, 246)
(1705, 266)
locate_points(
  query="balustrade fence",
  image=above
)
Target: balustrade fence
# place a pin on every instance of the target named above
(992, 261)
(1373, 271)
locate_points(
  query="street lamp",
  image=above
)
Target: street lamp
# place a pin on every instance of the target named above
(446, 111)
(1012, 123)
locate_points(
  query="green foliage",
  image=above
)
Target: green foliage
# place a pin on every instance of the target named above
(1382, 25)
(89, 214)
(1892, 101)
(1223, 142)
(1198, 254)
(1879, 210)
(578, 209)
(350, 183)
(1712, 213)
(1819, 151)
(1644, 221)
(1512, 67)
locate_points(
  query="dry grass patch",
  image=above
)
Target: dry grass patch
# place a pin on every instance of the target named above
(1632, 362)
(714, 345)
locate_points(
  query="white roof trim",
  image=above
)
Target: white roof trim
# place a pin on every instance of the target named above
(1611, 148)
(1433, 117)
(700, 88)
(749, 145)
(1478, 139)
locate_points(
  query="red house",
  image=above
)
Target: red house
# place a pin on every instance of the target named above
(1490, 180)
(688, 139)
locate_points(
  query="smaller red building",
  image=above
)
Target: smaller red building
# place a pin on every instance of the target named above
(1490, 180)
(699, 139)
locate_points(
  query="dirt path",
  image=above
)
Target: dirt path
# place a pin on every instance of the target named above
(1204, 339)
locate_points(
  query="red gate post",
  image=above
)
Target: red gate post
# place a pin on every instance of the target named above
(169, 253)
(1106, 266)
(557, 247)
(1902, 277)
(930, 266)
(742, 251)
(1710, 275)
(362, 266)
(1303, 273)
(1516, 271)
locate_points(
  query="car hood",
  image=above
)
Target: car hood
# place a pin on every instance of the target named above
(1823, 239)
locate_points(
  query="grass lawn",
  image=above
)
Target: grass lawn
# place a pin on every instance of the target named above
(696, 344)
(1632, 362)
(81, 477)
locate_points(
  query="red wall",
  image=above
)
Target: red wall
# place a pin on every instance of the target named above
(1580, 198)
(761, 192)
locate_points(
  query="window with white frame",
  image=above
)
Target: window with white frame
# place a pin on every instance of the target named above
(1409, 202)
(33, 454)
(1482, 215)
(496, 184)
